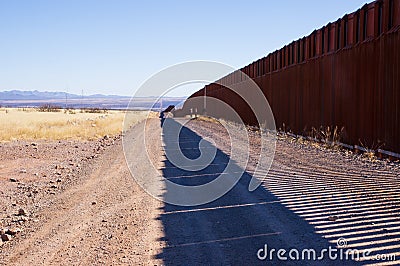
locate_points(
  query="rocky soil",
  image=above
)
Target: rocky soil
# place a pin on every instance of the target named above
(32, 172)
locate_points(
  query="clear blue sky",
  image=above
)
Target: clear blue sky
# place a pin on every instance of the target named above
(112, 47)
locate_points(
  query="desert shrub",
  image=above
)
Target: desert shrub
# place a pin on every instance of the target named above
(49, 108)
(70, 111)
(93, 110)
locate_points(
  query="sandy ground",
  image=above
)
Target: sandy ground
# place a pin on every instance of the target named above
(82, 207)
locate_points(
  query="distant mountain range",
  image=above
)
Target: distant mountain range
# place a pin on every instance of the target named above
(43, 95)
(17, 98)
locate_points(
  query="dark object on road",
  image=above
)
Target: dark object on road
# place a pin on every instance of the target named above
(164, 114)
(169, 109)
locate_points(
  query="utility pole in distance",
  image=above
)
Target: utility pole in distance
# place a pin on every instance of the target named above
(82, 99)
(66, 100)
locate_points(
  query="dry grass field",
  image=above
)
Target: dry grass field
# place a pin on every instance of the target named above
(30, 124)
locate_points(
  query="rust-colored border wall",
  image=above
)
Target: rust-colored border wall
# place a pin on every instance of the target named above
(346, 74)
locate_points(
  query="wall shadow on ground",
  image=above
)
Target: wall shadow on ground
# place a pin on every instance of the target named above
(231, 229)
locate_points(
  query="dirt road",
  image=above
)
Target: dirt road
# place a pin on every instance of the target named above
(310, 199)
(104, 218)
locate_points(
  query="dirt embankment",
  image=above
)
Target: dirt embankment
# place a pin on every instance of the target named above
(33, 171)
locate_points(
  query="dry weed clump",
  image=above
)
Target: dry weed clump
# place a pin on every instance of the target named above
(369, 151)
(329, 136)
(207, 119)
(17, 124)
